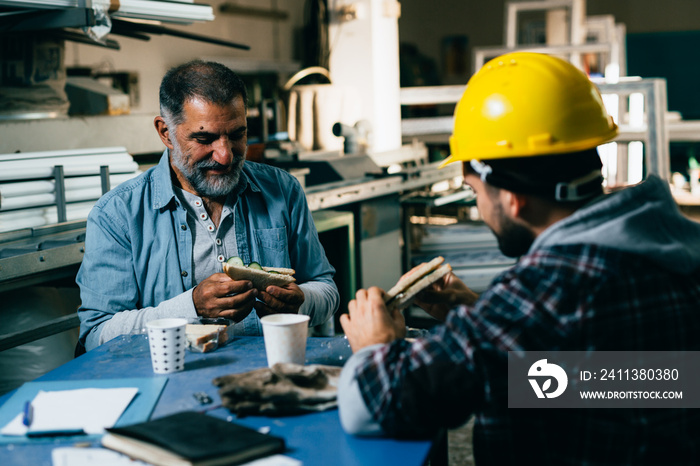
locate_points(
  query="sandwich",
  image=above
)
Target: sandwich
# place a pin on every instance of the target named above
(260, 276)
(204, 338)
(414, 281)
(208, 334)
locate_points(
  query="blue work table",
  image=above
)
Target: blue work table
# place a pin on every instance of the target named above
(315, 439)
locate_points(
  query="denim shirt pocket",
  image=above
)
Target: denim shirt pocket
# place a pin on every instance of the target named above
(271, 247)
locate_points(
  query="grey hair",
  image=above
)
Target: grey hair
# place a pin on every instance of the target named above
(211, 81)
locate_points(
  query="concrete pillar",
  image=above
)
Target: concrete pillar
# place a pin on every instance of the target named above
(364, 45)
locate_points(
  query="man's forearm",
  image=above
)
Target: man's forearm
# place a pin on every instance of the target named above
(321, 300)
(134, 320)
(354, 415)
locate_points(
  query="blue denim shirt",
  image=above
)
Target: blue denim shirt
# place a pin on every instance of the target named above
(138, 251)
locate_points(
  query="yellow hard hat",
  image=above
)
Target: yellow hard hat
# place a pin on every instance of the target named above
(524, 104)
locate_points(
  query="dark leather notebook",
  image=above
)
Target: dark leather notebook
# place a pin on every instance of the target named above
(191, 438)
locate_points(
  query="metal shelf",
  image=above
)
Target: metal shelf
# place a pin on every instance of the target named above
(38, 15)
(34, 20)
(126, 18)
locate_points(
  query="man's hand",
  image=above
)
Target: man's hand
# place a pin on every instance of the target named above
(368, 321)
(220, 296)
(443, 295)
(280, 300)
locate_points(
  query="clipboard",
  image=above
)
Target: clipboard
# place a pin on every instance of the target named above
(140, 409)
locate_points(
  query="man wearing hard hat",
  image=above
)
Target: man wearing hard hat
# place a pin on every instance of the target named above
(596, 272)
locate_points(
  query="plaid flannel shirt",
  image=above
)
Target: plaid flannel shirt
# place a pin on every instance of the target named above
(567, 298)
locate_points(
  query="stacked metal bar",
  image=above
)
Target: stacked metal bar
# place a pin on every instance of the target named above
(34, 193)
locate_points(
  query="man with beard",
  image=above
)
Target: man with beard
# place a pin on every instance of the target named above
(155, 245)
(612, 272)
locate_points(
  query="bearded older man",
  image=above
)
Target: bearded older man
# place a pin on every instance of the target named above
(155, 245)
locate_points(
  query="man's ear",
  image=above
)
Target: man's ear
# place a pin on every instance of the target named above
(513, 203)
(163, 131)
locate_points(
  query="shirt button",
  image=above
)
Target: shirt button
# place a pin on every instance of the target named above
(220, 258)
(183, 227)
(218, 241)
(210, 227)
(184, 273)
(203, 216)
(198, 203)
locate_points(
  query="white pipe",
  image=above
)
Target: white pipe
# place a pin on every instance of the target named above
(89, 194)
(14, 203)
(9, 216)
(95, 160)
(62, 153)
(35, 200)
(18, 224)
(31, 218)
(73, 212)
(47, 172)
(25, 188)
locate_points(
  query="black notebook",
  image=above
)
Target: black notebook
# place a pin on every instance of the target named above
(192, 439)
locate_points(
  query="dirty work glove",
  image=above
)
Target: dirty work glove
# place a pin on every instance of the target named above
(281, 390)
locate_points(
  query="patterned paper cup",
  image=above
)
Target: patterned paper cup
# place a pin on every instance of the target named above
(285, 338)
(166, 338)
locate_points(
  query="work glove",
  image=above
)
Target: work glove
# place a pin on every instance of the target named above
(283, 389)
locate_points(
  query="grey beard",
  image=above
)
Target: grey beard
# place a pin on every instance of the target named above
(219, 186)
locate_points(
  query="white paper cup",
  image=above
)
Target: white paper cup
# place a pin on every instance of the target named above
(285, 338)
(167, 342)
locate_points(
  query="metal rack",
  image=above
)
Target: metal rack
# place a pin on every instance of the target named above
(34, 255)
(604, 29)
(582, 35)
(645, 125)
(568, 13)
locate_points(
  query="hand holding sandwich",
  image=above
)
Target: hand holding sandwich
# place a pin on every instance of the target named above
(432, 286)
(443, 295)
(285, 299)
(277, 292)
(375, 316)
(369, 321)
(220, 296)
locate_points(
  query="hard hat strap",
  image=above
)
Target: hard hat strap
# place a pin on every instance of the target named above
(481, 168)
(578, 189)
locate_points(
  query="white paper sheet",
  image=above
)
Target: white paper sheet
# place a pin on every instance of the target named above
(89, 409)
(71, 456)
(274, 460)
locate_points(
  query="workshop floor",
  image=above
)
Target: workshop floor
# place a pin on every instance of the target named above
(459, 446)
